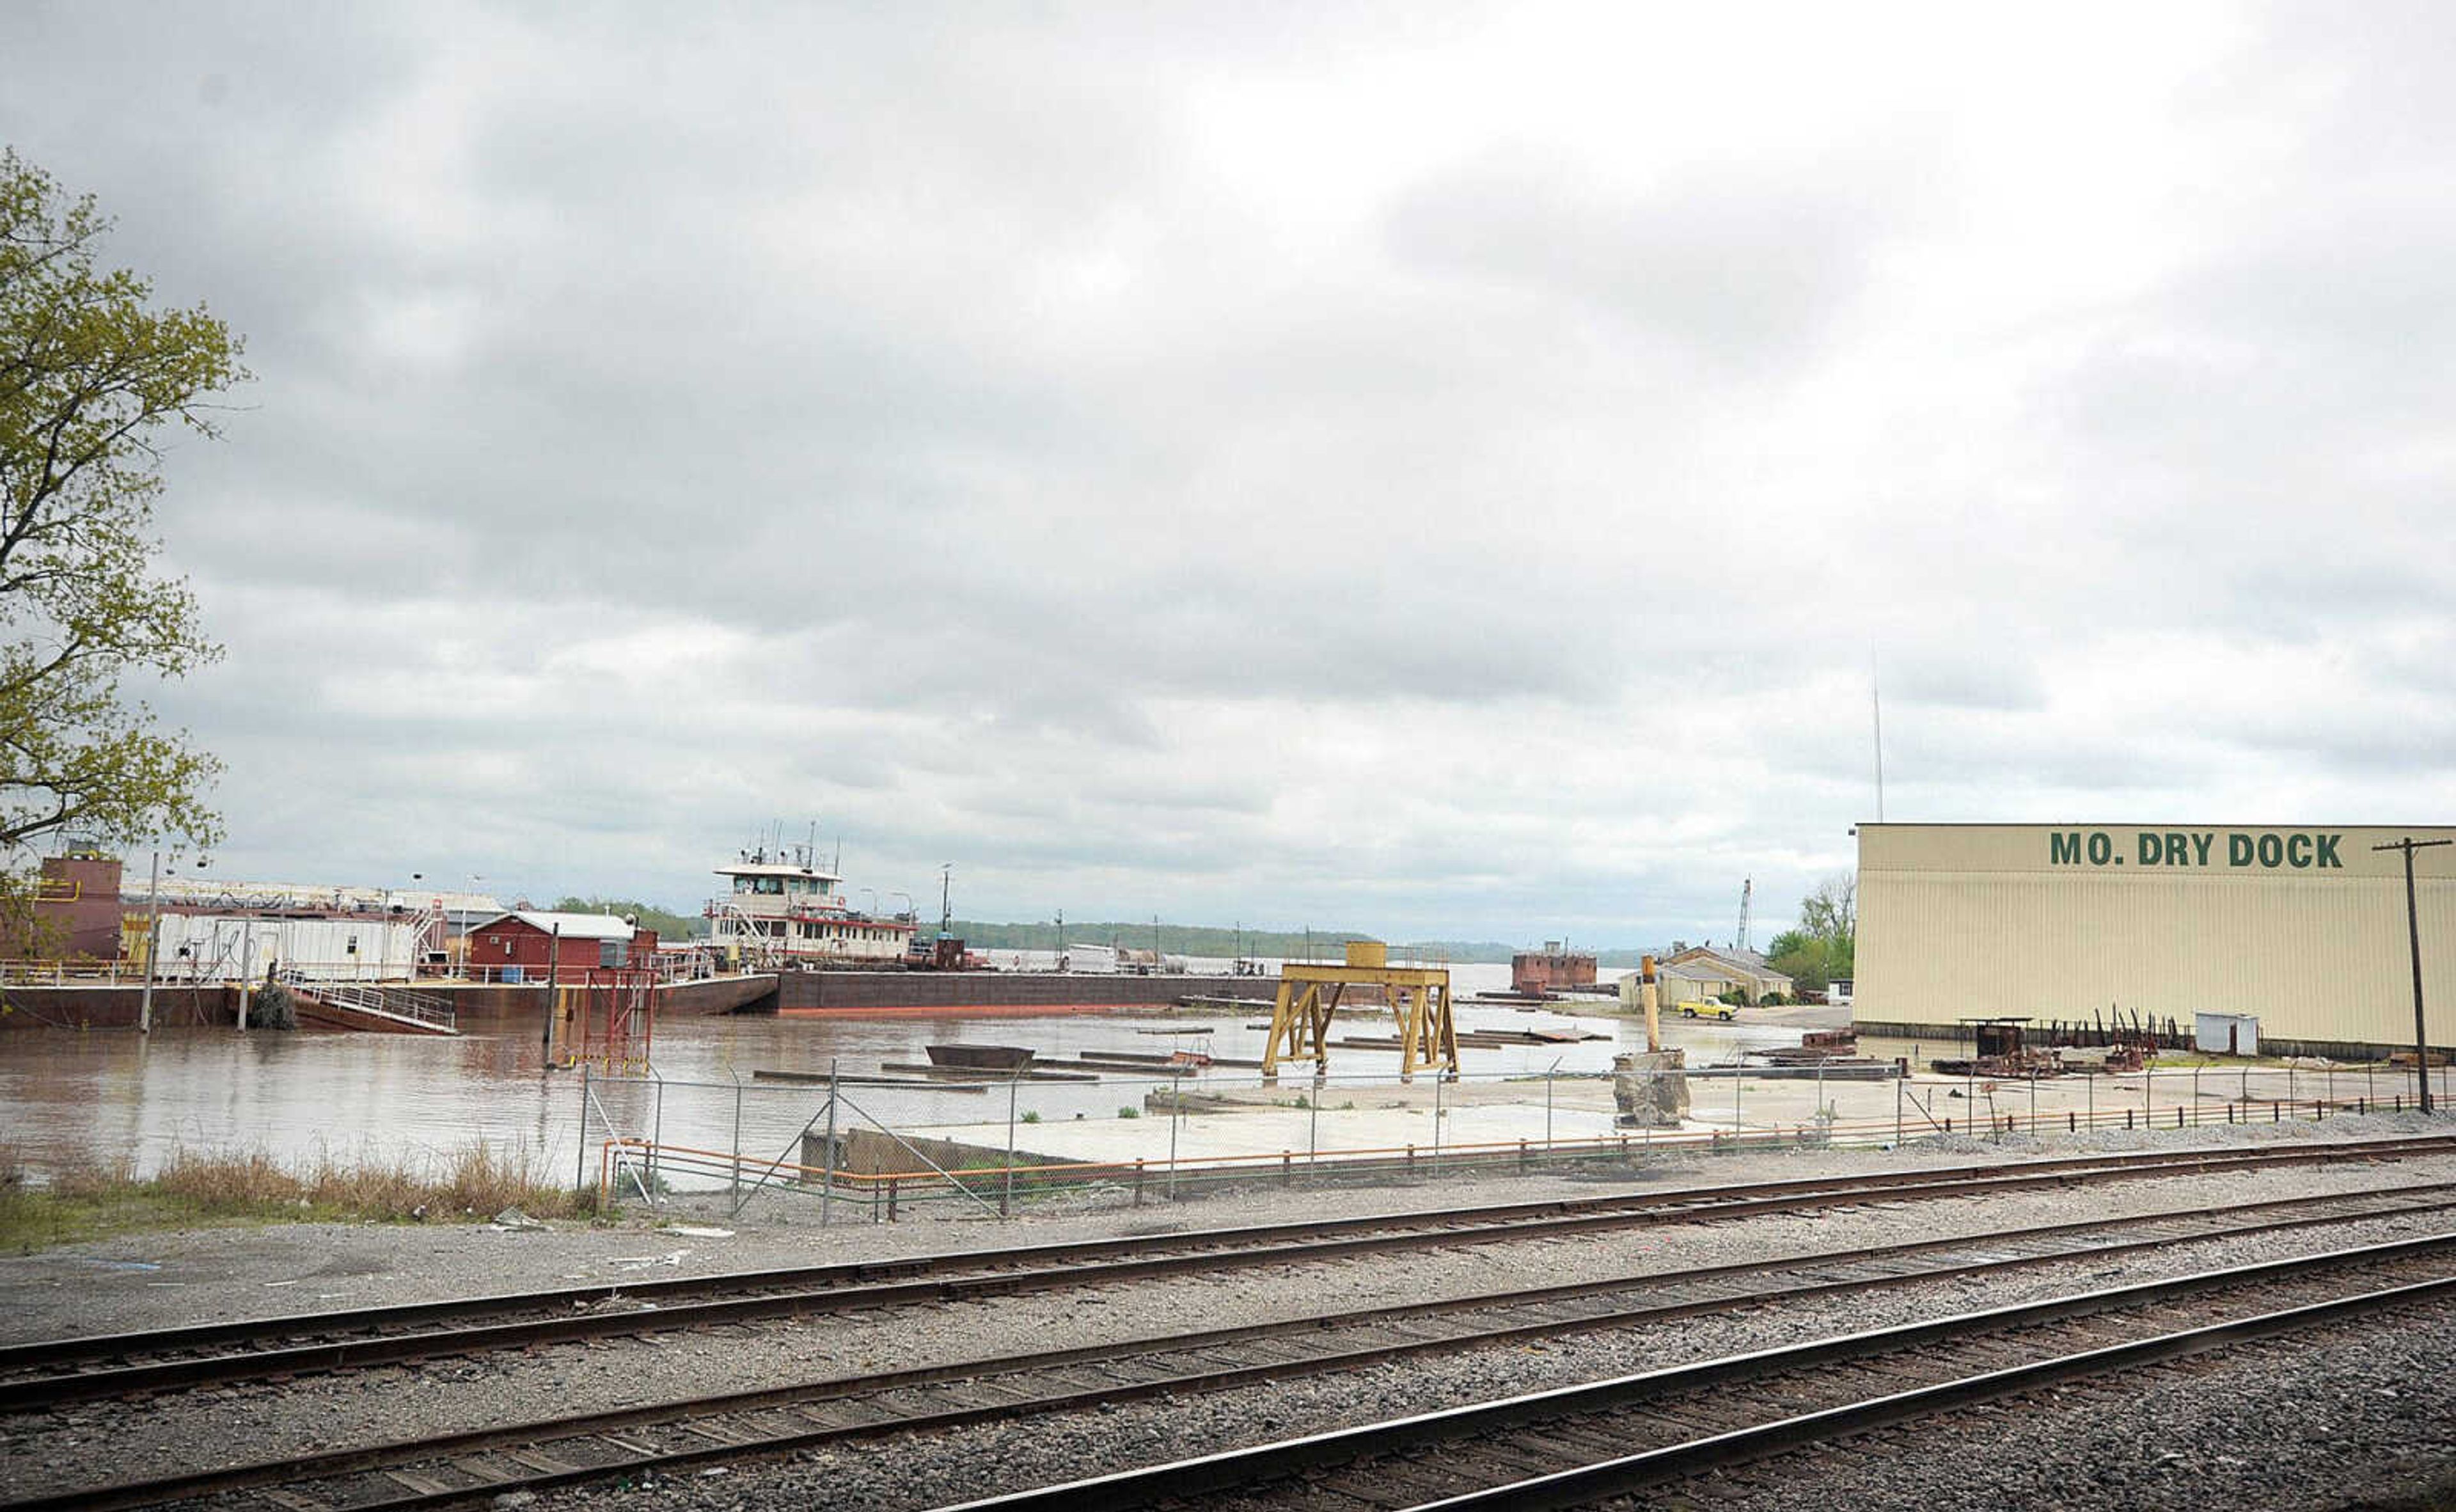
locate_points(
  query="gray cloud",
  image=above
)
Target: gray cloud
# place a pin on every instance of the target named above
(1450, 473)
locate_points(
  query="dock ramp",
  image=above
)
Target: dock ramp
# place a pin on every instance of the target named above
(372, 1007)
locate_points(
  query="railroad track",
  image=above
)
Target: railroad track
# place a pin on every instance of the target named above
(671, 1438)
(1582, 1445)
(43, 1374)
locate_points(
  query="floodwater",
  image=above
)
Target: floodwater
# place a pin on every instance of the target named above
(72, 1098)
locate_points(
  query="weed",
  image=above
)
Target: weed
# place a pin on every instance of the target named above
(1129, 1111)
(87, 1201)
(1034, 1116)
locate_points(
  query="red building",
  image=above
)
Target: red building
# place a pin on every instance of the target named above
(522, 943)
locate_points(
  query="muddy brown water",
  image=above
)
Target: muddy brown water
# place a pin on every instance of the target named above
(69, 1097)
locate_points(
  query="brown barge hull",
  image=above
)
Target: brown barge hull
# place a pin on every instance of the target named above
(815, 993)
(991, 993)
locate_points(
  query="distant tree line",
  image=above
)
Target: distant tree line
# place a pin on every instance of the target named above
(668, 926)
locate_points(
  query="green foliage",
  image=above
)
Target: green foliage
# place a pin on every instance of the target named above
(1822, 947)
(1129, 1111)
(668, 926)
(1032, 1116)
(92, 375)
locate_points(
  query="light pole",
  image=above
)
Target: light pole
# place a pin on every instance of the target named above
(153, 940)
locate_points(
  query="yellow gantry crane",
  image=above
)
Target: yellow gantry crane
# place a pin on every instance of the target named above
(1418, 998)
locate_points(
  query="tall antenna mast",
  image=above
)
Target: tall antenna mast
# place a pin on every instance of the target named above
(1747, 885)
(1877, 703)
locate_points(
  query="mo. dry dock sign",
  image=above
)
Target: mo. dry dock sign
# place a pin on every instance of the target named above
(2213, 850)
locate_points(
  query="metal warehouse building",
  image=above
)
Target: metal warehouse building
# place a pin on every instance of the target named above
(2302, 926)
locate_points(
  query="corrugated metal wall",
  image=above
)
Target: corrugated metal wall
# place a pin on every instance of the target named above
(2059, 921)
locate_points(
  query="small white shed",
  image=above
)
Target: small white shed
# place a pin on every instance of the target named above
(2226, 1034)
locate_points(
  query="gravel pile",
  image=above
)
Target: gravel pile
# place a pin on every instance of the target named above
(353, 1266)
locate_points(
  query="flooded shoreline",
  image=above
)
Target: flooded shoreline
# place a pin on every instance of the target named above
(104, 1097)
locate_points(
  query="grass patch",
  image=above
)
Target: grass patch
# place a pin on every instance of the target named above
(90, 1201)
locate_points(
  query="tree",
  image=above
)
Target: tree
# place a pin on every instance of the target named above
(1821, 948)
(93, 378)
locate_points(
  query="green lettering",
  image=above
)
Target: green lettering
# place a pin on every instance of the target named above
(2179, 850)
(2101, 849)
(2297, 850)
(2201, 848)
(2272, 851)
(2064, 850)
(2327, 856)
(2152, 848)
(2237, 851)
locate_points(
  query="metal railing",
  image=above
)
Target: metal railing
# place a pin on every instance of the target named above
(392, 1002)
(69, 973)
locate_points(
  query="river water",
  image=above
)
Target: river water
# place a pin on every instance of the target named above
(101, 1097)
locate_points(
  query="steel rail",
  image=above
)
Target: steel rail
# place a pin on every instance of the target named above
(1809, 1275)
(1245, 1469)
(1591, 1483)
(599, 1311)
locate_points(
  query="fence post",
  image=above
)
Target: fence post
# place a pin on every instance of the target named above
(1006, 1190)
(656, 1134)
(1313, 1125)
(1173, 1109)
(1897, 1109)
(828, 1159)
(737, 1130)
(1437, 1124)
(580, 1172)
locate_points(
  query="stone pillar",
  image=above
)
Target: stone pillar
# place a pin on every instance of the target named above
(1650, 1089)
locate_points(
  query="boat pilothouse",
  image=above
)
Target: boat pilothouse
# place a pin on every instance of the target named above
(785, 910)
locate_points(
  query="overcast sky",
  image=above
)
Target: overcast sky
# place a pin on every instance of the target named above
(1426, 469)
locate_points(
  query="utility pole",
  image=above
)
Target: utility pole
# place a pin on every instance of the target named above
(2413, 934)
(153, 944)
(1747, 885)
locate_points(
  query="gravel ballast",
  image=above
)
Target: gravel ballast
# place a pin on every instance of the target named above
(231, 1273)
